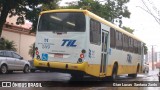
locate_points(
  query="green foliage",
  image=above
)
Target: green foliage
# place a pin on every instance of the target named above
(23, 8)
(7, 45)
(50, 6)
(128, 29)
(32, 50)
(32, 15)
(111, 10)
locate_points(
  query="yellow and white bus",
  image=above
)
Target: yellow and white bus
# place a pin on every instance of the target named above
(79, 42)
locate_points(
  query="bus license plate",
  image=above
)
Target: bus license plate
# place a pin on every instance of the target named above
(58, 55)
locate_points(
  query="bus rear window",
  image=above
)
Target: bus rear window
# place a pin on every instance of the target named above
(62, 22)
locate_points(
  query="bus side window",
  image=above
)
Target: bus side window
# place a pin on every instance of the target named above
(139, 47)
(95, 32)
(125, 42)
(135, 46)
(112, 38)
(131, 44)
(119, 39)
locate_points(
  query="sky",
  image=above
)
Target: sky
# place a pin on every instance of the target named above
(146, 27)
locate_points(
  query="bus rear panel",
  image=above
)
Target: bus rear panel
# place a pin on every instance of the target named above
(61, 41)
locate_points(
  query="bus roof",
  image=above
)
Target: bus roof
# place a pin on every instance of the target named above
(64, 10)
(96, 17)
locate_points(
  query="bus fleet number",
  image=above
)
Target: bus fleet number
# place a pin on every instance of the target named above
(45, 46)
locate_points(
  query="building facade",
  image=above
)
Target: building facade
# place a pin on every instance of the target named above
(22, 38)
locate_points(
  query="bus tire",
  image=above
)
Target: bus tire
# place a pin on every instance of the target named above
(77, 76)
(134, 75)
(114, 72)
(32, 70)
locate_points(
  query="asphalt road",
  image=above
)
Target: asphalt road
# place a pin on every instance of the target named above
(55, 76)
(63, 81)
(64, 77)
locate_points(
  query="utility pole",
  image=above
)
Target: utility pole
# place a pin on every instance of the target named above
(153, 57)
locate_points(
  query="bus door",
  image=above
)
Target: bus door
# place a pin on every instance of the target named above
(104, 54)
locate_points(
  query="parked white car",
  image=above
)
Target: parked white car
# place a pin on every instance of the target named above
(11, 61)
(146, 68)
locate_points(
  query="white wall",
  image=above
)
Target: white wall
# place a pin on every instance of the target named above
(22, 42)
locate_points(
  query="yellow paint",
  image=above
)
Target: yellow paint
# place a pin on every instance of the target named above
(127, 69)
(63, 10)
(122, 69)
(91, 69)
(71, 66)
(60, 65)
(109, 70)
(39, 63)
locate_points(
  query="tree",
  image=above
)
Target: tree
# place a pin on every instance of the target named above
(111, 10)
(20, 8)
(50, 6)
(32, 15)
(7, 45)
(128, 29)
(32, 50)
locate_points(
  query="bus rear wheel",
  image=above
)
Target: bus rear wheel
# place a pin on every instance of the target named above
(114, 73)
(77, 76)
(132, 75)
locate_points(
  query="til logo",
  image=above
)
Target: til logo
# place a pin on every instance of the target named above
(68, 43)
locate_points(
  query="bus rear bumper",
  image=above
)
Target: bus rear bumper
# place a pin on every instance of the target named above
(60, 66)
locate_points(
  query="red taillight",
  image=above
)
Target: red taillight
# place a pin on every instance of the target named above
(37, 53)
(82, 55)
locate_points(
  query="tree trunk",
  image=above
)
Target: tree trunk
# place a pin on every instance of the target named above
(3, 16)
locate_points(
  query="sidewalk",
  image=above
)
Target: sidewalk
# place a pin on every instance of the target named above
(152, 75)
(153, 72)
